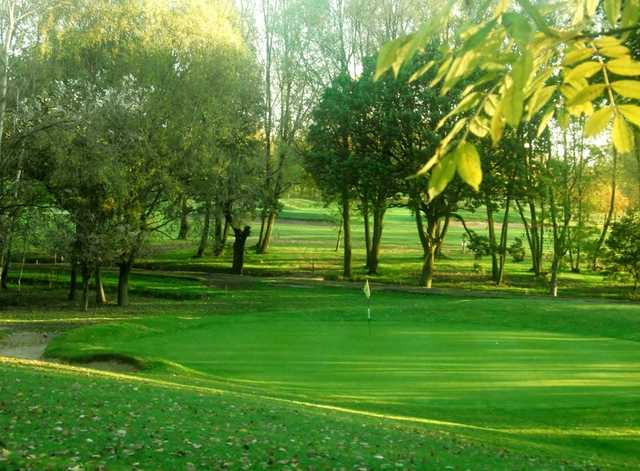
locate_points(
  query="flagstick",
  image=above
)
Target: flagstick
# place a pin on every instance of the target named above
(369, 315)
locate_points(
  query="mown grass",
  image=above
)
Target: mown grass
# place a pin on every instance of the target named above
(304, 242)
(545, 379)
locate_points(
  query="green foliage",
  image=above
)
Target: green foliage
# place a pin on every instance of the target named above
(624, 246)
(517, 250)
(512, 60)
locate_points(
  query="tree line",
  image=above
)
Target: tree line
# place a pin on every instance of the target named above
(118, 119)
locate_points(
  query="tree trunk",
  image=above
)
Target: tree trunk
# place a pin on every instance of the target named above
(263, 246)
(204, 237)
(609, 216)
(428, 265)
(339, 237)
(101, 297)
(86, 279)
(4, 275)
(347, 272)
(421, 234)
(493, 244)
(554, 277)
(504, 231)
(441, 236)
(263, 223)
(531, 231)
(218, 247)
(73, 281)
(123, 282)
(241, 236)
(184, 220)
(367, 233)
(374, 258)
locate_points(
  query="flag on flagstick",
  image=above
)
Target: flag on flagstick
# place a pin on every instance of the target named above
(367, 292)
(367, 289)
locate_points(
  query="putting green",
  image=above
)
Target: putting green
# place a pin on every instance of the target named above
(564, 377)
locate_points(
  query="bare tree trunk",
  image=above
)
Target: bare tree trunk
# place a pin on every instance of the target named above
(123, 282)
(346, 223)
(367, 233)
(263, 246)
(101, 297)
(185, 210)
(339, 237)
(204, 237)
(86, 279)
(263, 223)
(531, 231)
(428, 265)
(504, 230)
(378, 221)
(4, 276)
(73, 281)
(493, 245)
(241, 236)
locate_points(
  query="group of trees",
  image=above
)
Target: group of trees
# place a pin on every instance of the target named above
(116, 110)
(489, 93)
(118, 118)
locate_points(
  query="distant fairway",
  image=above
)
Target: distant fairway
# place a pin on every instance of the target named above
(562, 378)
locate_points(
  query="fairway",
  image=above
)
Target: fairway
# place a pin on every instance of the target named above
(562, 378)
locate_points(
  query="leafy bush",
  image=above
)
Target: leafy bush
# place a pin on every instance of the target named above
(479, 245)
(624, 247)
(516, 250)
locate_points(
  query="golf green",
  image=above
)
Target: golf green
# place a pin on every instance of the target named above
(561, 376)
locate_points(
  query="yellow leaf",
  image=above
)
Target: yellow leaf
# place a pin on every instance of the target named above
(615, 51)
(441, 175)
(577, 55)
(421, 71)
(512, 106)
(479, 127)
(622, 135)
(491, 104)
(426, 167)
(598, 122)
(625, 66)
(468, 164)
(631, 112)
(607, 41)
(587, 94)
(442, 71)
(627, 88)
(544, 122)
(539, 99)
(497, 125)
(585, 70)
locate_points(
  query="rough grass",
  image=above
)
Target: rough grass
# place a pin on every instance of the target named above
(121, 423)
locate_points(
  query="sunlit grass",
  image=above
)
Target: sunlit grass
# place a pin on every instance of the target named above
(562, 377)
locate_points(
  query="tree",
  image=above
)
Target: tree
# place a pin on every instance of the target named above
(17, 29)
(329, 158)
(624, 246)
(146, 80)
